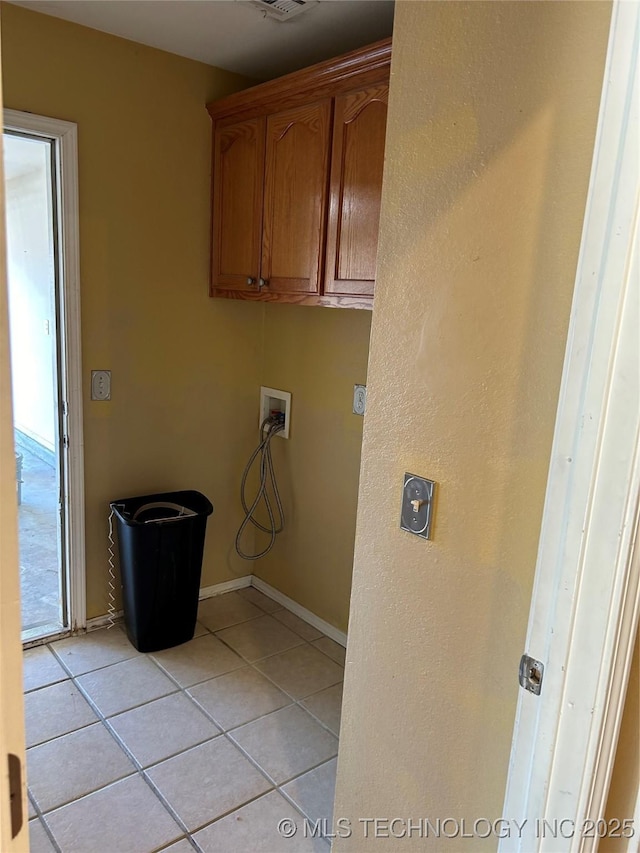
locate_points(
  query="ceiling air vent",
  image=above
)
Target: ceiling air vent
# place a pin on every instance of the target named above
(283, 10)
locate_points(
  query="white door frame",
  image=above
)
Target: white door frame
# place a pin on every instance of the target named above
(65, 137)
(586, 596)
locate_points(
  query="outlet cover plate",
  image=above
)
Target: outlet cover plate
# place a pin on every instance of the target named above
(417, 505)
(359, 399)
(100, 384)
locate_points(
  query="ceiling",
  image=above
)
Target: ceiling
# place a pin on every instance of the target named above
(233, 34)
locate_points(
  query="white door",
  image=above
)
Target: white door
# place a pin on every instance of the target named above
(585, 603)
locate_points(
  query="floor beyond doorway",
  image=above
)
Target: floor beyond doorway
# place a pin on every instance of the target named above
(206, 746)
(39, 549)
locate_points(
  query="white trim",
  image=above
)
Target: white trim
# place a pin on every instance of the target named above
(339, 636)
(586, 594)
(66, 136)
(205, 592)
(242, 583)
(225, 586)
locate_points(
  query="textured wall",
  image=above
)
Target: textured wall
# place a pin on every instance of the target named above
(492, 115)
(318, 354)
(185, 367)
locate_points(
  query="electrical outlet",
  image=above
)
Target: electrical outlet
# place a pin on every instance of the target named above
(359, 399)
(100, 384)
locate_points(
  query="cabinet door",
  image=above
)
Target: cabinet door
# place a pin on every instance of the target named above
(238, 181)
(295, 196)
(357, 161)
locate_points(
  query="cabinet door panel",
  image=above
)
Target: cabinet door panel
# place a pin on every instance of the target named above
(296, 177)
(238, 170)
(356, 185)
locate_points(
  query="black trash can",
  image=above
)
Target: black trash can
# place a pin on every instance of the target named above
(161, 541)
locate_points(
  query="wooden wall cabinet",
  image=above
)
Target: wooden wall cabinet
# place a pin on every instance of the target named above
(357, 161)
(297, 177)
(238, 165)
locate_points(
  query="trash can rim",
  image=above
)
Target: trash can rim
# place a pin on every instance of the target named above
(178, 498)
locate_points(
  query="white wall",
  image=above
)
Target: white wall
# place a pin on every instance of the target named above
(31, 288)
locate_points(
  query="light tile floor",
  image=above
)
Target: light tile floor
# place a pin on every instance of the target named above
(38, 536)
(206, 746)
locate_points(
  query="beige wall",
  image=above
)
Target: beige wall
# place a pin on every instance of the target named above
(12, 725)
(492, 115)
(318, 354)
(185, 367)
(625, 780)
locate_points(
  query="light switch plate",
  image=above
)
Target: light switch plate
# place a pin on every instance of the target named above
(417, 505)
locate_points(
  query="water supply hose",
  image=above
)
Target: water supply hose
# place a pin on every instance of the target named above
(271, 426)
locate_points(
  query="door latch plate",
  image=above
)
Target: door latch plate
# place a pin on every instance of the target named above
(530, 674)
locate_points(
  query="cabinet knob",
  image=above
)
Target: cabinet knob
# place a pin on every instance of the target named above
(263, 283)
(250, 281)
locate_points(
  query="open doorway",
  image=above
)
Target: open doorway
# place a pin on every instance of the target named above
(41, 204)
(33, 287)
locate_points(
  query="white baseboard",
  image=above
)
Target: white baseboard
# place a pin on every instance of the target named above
(241, 583)
(225, 586)
(339, 636)
(205, 592)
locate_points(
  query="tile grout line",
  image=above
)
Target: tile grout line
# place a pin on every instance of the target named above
(306, 816)
(42, 821)
(45, 812)
(63, 734)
